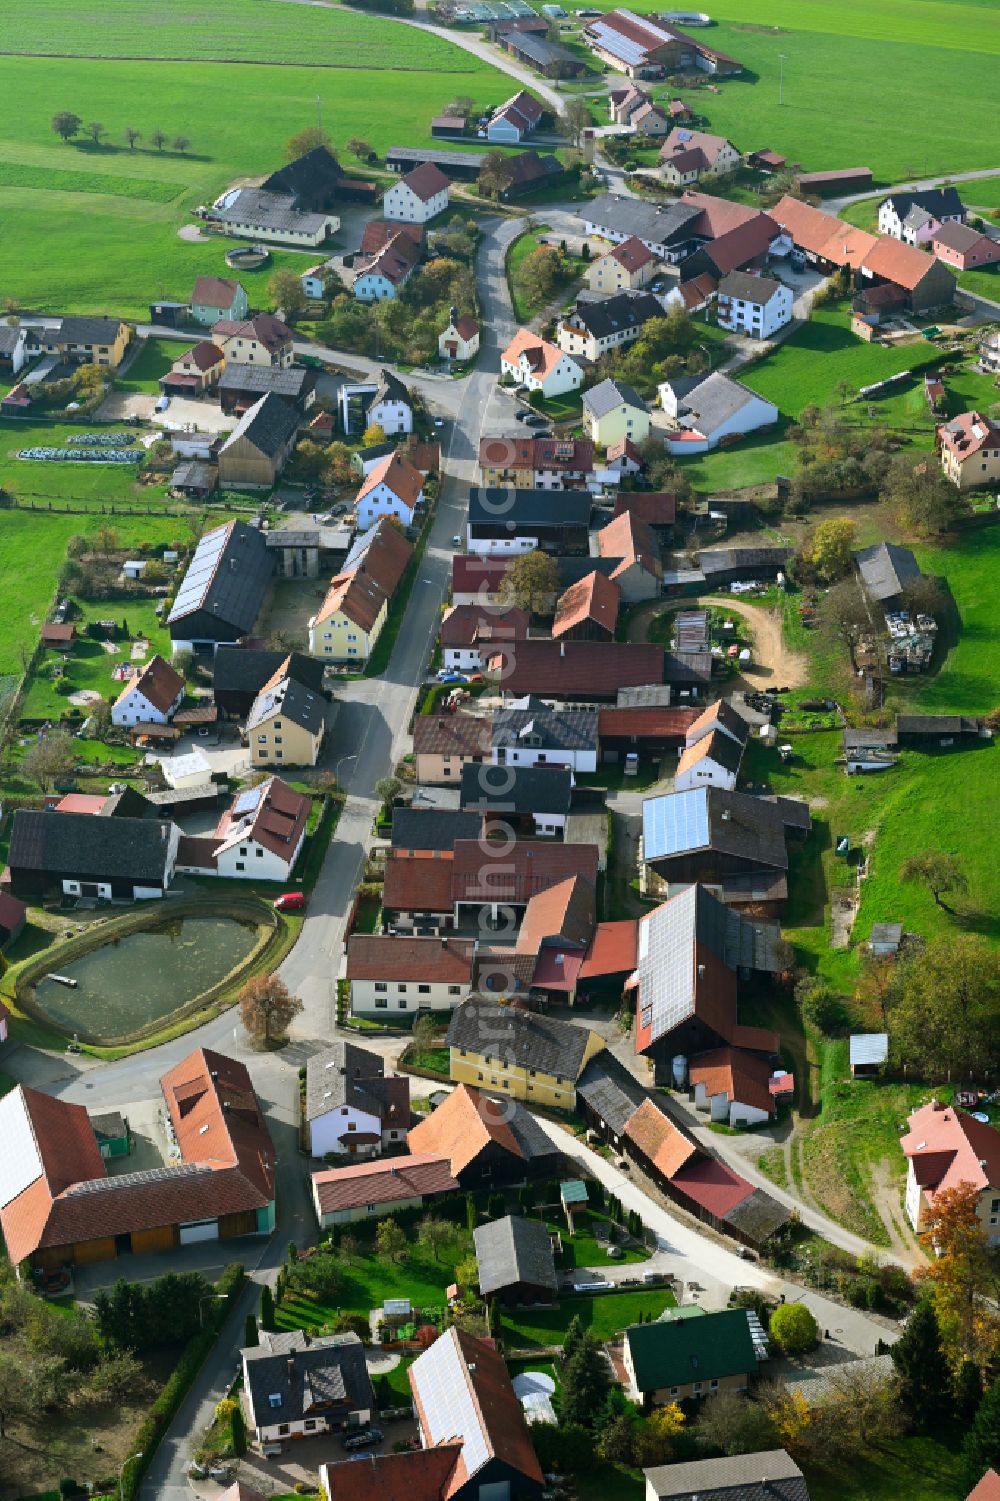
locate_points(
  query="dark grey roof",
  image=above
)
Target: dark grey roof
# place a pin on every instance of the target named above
(713, 400)
(549, 508)
(573, 569)
(770, 1475)
(268, 425)
(886, 932)
(532, 1140)
(417, 154)
(610, 1090)
(726, 752)
(76, 330)
(302, 1377)
(683, 667)
(10, 337)
(432, 828)
(341, 1076)
(517, 789)
(654, 223)
(523, 1038)
(556, 728)
(603, 398)
(109, 1126)
(538, 51)
(514, 1250)
(836, 1380)
(274, 211)
(241, 669)
(936, 724)
(193, 474)
(757, 1216)
(611, 315)
(390, 388)
(939, 202)
(733, 823)
(725, 559)
(127, 804)
(294, 381)
(869, 739)
(87, 848)
(747, 288)
(318, 171)
(293, 702)
(886, 569)
(228, 575)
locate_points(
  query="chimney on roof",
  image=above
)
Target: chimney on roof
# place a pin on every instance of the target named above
(701, 971)
(291, 1367)
(562, 648)
(725, 815)
(982, 1164)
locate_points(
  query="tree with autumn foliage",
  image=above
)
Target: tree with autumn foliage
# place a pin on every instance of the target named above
(961, 1276)
(266, 1009)
(655, 1441)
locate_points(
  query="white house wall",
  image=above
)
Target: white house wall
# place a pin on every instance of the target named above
(332, 1132)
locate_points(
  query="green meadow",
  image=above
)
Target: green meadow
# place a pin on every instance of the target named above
(93, 229)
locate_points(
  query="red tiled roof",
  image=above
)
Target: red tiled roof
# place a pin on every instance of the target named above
(543, 356)
(645, 724)
(484, 872)
(469, 574)
(418, 882)
(461, 1126)
(712, 1184)
(56, 632)
(962, 1150)
(355, 596)
(743, 244)
(264, 327)
(209, 1089)
(466, 327)
(81, 802)
(426, 180)
(374, 956)
(214, 291)
(415, 1475)
(967, 433)
(658, 1140)
(592, 598)
(628, 537)
(12, 913)
(718, 215)
(378, 232)
(464, 625)
(387, 556)
(158, 682)
(614, 949)
(680, 142)
(204, 355)
(598, 668)
(399, 475)
(692, 160)
(452, 735)
(632, 254)
(277, 823)
(564, 912)
(743, 1077)
(654, 507)
(988, 1489)
(409, 1177)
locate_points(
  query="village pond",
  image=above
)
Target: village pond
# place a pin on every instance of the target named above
(128, 984)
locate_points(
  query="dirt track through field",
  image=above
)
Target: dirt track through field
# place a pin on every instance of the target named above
(775, 665)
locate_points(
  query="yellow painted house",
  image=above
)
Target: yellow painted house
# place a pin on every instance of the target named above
(613, 411)
(350, 619)
(522, 1054)
(286, 723)
(99, 341)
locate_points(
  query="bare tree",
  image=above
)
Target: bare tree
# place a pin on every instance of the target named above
(132, 136)
(50, 759)
(180, 143)
(158, 139)
(96, 130)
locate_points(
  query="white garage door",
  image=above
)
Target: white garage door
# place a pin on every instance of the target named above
(199, 1230)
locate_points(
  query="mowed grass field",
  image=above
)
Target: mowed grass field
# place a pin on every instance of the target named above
(867, 83)
(95, 230)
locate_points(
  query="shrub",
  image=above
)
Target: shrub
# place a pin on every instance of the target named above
(793, 1329)
(63, 684)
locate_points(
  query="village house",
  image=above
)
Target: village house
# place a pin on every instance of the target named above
(262, 339)
(588, 610)
(313, 281)
(350, 619)
(255, 214)
(444, 743)
(515, 1261)
(916, 217)
(711, 761)
(964, 248)
(735, 1086)
(593, 329)
(428, 828)
(151, 697)
(394, 488)
(613, 410)
(380, 274)
(240, 672)
(59, 1207)
(487, 1142)
(642, 47)
(625, 268)
(833, 183)
(535, 799)
(528, 1056)
(731, 840)
(241, 385)
(585, 671)
(709, 408)
(922, 281)
(460, 340)
(944, 1148)
(686, 154)
(295, 1386)
(129, 859)
(689, 1353)
(385, 403)
(419, 196)
(258, 838)
(515, 118)
(529, 463)
(753, 305)
(647, 732)
(628, 543)
(260, 445)
(286, 724)
(554, 944)
(770, 1475)
(13, 347)
(408, 975)
(503, 521)
(218, 297)
(314, 181)
(371, 1190)
(970, 450)
(195, 371)
(539, 365)
(471, 633)
(529, 732)
(351, 1107)
(96, 341)
(13, 916)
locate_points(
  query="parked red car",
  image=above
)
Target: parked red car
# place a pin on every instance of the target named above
(290, 901)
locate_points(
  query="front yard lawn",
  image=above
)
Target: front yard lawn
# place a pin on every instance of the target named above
(88, 666)
(154, 360)
(583, 1247)
(604, 1314)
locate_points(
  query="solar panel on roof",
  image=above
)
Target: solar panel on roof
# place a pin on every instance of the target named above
(247, 801)
(683, 135)
(136, 1180)
(674, 823)
(448, 1404)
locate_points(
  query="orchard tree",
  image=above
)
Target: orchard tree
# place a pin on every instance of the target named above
(132, 136)
(180, 143)
(337, 470)
(433, 1234)
(266, 1008)
(944, 1022)
(306, 140)
(390, 1240)
(287, 293)
(937, 870)
(158, 139)
(360, 148)
(830, 549)
(50, 759)
(373, 435)
(496, 174)
(66, 125)
(96, 130)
